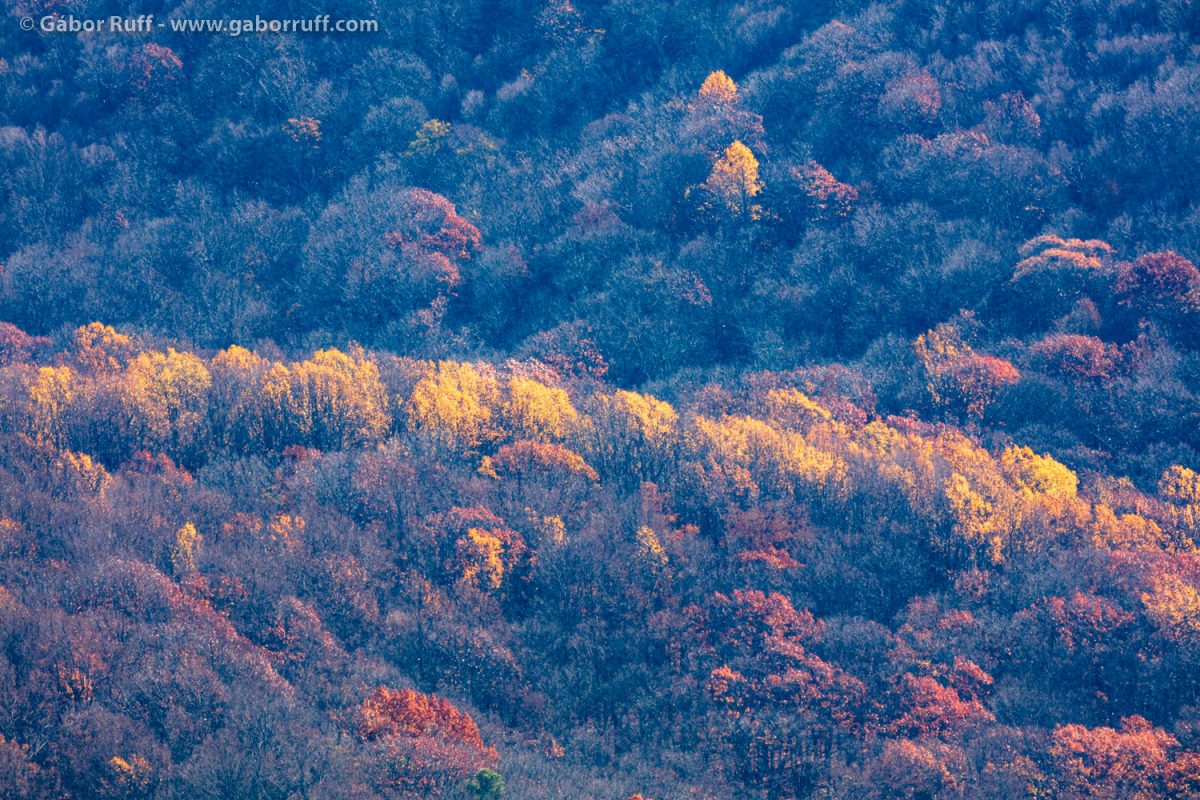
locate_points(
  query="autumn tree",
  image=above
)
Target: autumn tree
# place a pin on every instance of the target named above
(718, 115)
(1166, 287)
(185, 550)
(526, 460)
(1180, 487)
(1054, 273)
(167, 397)
(50, 395)
(100, 348)
(961, 381)
(534, 410)
(336, 399)
(16, 346)
(426, 744)
(454, 406)
(21, 778)
(246, 409)
(1106, 763)
(778, 710)
(820, 196)
(733, 182)
(631, 431)
(392, 256)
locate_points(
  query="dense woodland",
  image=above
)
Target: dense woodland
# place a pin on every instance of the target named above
(603, 400)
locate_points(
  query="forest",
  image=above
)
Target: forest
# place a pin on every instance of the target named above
(602, 400)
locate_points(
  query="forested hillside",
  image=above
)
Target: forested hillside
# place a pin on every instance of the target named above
(602, 400)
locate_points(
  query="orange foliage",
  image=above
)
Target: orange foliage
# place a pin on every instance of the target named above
(1077, 356)
(931, 708)
(827, 197)
(426, 744)
(405, 712)
(524, 459)
(1123, 764)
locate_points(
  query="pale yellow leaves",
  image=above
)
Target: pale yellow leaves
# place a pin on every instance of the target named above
(453, 406)
(539, 412)
(1039, 474)
(167, 396)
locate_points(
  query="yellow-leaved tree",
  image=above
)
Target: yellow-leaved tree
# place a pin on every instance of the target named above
(1039, 475)
(481, 556)
(336, 400)
(716, 117)
(452, 406)
(185, 550)
(975, 528)
(538, 412)
(718, 89)
(50, 394)
(166, 395)
(1180, 487)
(733, 183)
(632, 435)
(1173, 603)
(99, 348)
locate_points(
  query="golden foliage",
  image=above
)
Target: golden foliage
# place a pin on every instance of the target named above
(1180, 485)
(718, 89)
(285, 531)
(99, 348)
(49, 395)
(167, 395)
(269, 407)
(336, 399)
(794, 409)
(1040, 475)
(237, 393)
(238, 361)
(550, 529)
(748, 455)
(487, 468)
(481, 554)
(651, 418)
(525, 458)
(734, 181)
(186, 550)
(651, 548)
(1124, 532)
(634, 433)
(973, 520)
(82, 474)
(536, 411)
(126, 778)
(880, 439)
(1174, 605)
(453, 405)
